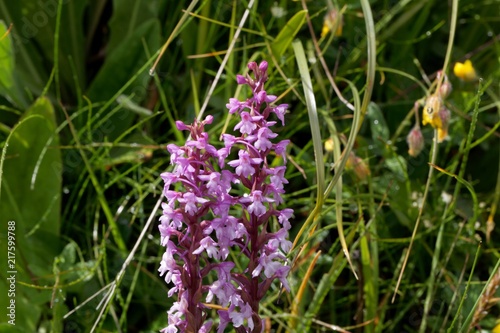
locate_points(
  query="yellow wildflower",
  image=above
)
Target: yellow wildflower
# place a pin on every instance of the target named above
(431, 112)
(436, 114)
(333, 20)
(496, 329)
(465, 71)
(329, 145)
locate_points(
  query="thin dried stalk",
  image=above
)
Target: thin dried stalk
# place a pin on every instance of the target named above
(487, 300)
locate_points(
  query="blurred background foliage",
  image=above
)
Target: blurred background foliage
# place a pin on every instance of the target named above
(83, 128)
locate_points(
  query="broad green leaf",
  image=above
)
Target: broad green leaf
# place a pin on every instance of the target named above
(118, 69)
(8, 328)
(126, 59)
(8, 87)
(31, 187)
(128, 15)
(30, 195)
(72, 59)
(6, 61)
(33, 40)
(288, 33)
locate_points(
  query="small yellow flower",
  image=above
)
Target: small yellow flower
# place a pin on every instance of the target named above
(329, 145)
(431, 112)
(496, 329)
(436, 114)
(465, 71)
(333, 20)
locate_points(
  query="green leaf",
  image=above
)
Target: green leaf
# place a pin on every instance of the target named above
(128, 15)
(72, 58)
(33, 42)
(30, 190)
(6, 61)
(120, 65)
(30, 187)
(30, 41)
(378, 125)
(8, 87)
(69, 269)
(288, 33)
(125, 60)
(66, 259)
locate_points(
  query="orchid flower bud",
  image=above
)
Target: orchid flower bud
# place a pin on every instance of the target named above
(415, 141)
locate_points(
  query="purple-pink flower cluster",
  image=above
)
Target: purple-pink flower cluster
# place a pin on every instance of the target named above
(223, 200)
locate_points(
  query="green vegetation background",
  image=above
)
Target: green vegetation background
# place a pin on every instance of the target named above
(83, 130)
